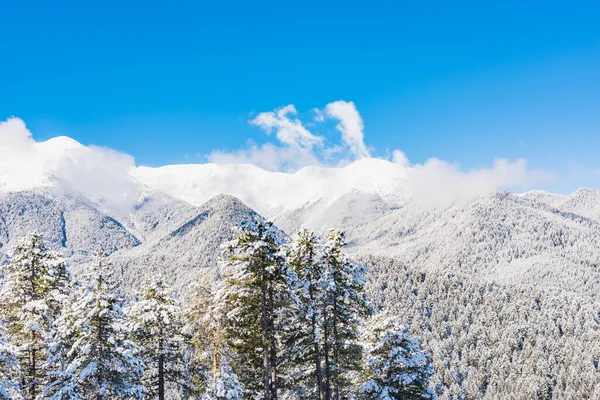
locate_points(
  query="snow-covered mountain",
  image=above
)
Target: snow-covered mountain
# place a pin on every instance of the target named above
(83, 198)
(276, 193)
(113, 182)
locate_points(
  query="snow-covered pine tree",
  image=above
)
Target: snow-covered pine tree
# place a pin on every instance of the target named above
(395, 365)
(345, 303)
(255, 292)
(92, 357)
(62, 284)
(205, 332)
(9, 368)
(31, 300)
(224, 385)
(302, 331)
(155, 322)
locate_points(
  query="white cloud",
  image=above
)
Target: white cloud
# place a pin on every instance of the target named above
(290, 130)
(435, 182)
(107, 176)
(15, 138)
(268, 156)
(101, 174)
(350, 125)
(438, 182)
(398, 157)
(296, 146)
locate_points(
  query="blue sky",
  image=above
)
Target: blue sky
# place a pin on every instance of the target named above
(466, 82)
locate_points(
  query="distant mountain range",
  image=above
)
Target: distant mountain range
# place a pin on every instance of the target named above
(533, 237)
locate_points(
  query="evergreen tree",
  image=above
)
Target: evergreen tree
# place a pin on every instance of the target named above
(302, 332)
(92, 357)
(395, 365)
(224, 384)
(156, 326)
(31, 300)
(61, 286)
(345, 303)
(9, 368)
(205, 332)
(255, 293)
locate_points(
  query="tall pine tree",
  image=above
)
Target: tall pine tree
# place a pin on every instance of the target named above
(35, 281)
(255, 293)
(92, 356)
(156, 326)
(303, 330)
(345, 303)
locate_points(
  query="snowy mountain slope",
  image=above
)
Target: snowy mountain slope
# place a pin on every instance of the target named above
(501, 236)
(585, 201)
(193, 244)
(69, 225)
(156, 215)
(161, 235)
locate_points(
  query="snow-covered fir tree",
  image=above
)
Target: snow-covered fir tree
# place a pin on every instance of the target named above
(155, 323)
(9, 368)
(345, 303)
(395, 365)
(224, 384)
(32, 294)
(302, 332)
(92, 356)
(255, 293)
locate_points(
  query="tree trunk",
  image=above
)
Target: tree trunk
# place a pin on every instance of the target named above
(265, 334)
(215, 354)
(273, 343)
(32, 371)
(313, 322)
(99, 376)
(327, 376)
(32, 353)
(336, 354)
(161, 377)
(161, 370)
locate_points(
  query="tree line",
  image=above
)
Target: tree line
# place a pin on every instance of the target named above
(279, 318)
